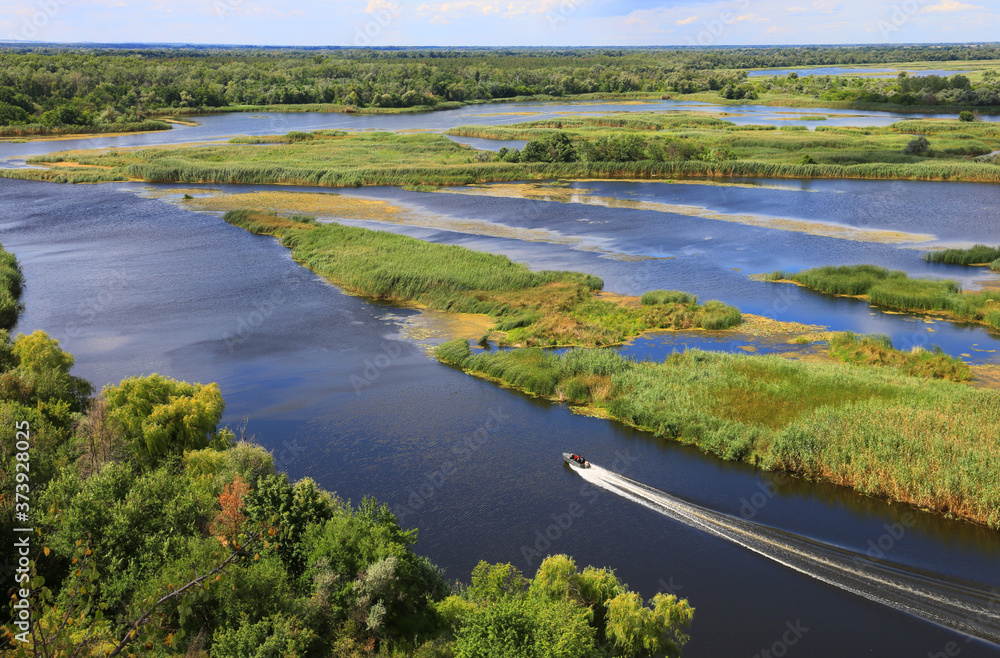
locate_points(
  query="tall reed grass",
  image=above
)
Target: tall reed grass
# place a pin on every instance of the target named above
(878, 351)
(531, 308)
(930, 443)
(975, 255)
(894, 289)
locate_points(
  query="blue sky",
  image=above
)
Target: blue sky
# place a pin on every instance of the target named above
(501, 22)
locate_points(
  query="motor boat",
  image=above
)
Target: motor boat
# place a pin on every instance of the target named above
(574, 459)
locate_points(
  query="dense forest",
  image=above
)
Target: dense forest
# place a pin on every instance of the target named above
(140, 527)
(43, 88)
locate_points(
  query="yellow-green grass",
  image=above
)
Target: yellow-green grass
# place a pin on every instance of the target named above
(672, 146)
(531, 308)
(933, 444)
(895, 290)
(878, 351)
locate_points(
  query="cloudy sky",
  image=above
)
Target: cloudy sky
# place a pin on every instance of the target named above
(501, 22)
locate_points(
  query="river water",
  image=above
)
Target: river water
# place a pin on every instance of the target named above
(133, 285)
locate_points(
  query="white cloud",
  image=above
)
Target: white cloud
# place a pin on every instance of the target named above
(948, 6)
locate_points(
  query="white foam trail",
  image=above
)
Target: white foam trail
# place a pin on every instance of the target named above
(961, 607)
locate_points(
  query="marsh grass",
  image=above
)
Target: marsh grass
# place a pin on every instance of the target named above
(686, 145)
(37, 129)
(930, 443)
(976, 255)
(530, 308)
(878, 351)
(895, 290)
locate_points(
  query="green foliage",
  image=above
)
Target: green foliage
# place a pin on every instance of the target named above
(11, 279)
(274, 636)
(878, 350)
(917, 146)
(161, 416)
(493, 582)
(512, 628)
(43, 373)
(294, 508)
(874, 429)
(893, 289)
(975, 255)
(563, 612)
(556, 147)
(966, 116)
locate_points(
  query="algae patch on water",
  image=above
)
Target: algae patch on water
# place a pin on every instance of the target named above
(327, 206)
(562, 194)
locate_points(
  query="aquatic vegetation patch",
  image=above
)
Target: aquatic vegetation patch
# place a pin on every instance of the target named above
(878, 351)
(895, 290)
(979, 254)
(564, 194)
(530, 308)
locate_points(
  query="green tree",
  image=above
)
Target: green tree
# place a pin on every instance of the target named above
(966, 116)
(917, 146)
(161, 416)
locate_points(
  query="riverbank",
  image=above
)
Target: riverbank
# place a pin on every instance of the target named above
(927, 443)
(41, 132)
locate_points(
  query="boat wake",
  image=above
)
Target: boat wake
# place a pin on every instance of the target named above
(961, 607)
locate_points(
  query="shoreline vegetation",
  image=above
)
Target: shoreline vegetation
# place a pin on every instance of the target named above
(931, 444)
(156, 531)
(79, 87)
(644, 146)
(43, 130)
(530, 308)
(977, 255)
(895, 290)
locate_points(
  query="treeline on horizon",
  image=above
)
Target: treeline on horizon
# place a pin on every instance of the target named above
(72, 85)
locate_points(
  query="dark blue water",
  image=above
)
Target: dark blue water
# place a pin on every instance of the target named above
(133, 285)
